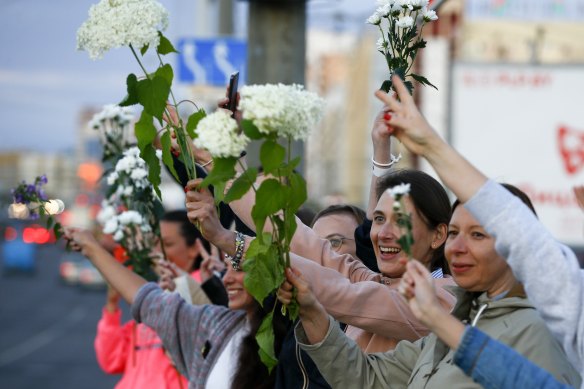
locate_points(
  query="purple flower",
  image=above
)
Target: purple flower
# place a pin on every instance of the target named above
(30, 189)
(43, 179)
(34, 216)
(18, 198)
(42, 195)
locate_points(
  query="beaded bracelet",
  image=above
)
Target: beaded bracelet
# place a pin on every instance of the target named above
(239, 245)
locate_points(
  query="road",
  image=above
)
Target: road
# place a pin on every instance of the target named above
(47, 330)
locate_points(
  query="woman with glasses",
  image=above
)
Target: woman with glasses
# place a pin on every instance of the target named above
(337, 224)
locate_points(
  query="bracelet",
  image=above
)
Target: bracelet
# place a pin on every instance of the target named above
(379, 169)
(236, 259)
(393, 161)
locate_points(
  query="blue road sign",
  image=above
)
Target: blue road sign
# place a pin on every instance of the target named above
(211, 61)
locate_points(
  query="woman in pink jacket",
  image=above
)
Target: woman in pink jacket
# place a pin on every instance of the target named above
(134, 350)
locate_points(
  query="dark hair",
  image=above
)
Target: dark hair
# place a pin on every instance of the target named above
(429, 199)
(357, 213)
(514, 191)
(251, 372)
(188, 231)
(305, 214)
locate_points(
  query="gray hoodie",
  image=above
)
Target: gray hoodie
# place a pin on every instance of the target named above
(548, 270)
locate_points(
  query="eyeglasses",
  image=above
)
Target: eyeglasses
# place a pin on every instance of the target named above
(337, 242)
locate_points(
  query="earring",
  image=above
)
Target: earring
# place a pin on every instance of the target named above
(434, 245)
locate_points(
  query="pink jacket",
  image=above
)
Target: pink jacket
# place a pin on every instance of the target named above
(369, 302)
(135, 351)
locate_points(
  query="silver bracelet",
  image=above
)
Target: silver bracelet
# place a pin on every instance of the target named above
(239, 245)
(380, 169)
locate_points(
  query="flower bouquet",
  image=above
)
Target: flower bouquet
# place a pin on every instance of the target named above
(270, 113)
(113, 124)
(398, 22)
(30, 201)
(131, 211)
(138, 24)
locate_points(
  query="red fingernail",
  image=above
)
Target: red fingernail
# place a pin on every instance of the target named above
(186, 190)
(387, 116)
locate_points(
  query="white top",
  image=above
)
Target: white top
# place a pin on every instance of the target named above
(222, 372)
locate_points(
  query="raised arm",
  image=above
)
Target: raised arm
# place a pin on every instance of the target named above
(412, 129)
(548, 270)
(125, 281)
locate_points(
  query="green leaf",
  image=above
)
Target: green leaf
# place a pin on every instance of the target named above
(219, 192)
(166, 73)
(193, 122)
(270, 197)
(144, 130)
(271, 156)
(50, 221)
(242, 185)
(250, 130)
(165, 47)
(422, 80)
(265, 338)
(166, 154)
(153, 94)
(144, 49)
(132, 89)
(263, 274)
(223, 170)
(298, 192)
(148, 154)
(259, 246)
(58, 231)
(293, 308)
(386, 86)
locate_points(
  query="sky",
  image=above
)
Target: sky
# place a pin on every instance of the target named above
(45, 82)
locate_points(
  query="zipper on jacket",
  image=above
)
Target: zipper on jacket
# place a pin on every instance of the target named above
(302, 368)
(478, 315)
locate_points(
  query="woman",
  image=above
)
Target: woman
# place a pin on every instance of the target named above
(491, 298)
(488, 362)
(213, 346)
(369, 302)
(134, 350)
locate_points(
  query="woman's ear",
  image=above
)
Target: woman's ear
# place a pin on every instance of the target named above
(440, 235)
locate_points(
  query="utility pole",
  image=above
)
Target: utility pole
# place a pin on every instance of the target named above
(226, 17)
(276, 50)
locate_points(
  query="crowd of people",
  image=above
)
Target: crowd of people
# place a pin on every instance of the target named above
(488, 299)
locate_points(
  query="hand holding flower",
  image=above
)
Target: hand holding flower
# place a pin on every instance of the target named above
(407, 123)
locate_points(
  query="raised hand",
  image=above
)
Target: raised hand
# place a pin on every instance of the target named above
(211, 261)
(418, 288)
(202, 212)
(406, 122)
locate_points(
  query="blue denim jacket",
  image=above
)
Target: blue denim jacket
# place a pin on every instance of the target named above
(495, 365)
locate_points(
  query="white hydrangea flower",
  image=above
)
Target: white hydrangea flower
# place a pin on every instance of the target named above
(139, 174)
(128, 190)
(218, 133)
(405, 22)
(117, 23)
(119, 235)
(106, 213)
(111, 226)
(130, 217)
(430, 15)
(399, 190)
(112, 178)
(288, 110)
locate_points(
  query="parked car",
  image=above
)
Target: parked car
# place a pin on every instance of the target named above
(75, 269)
(20, 241)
